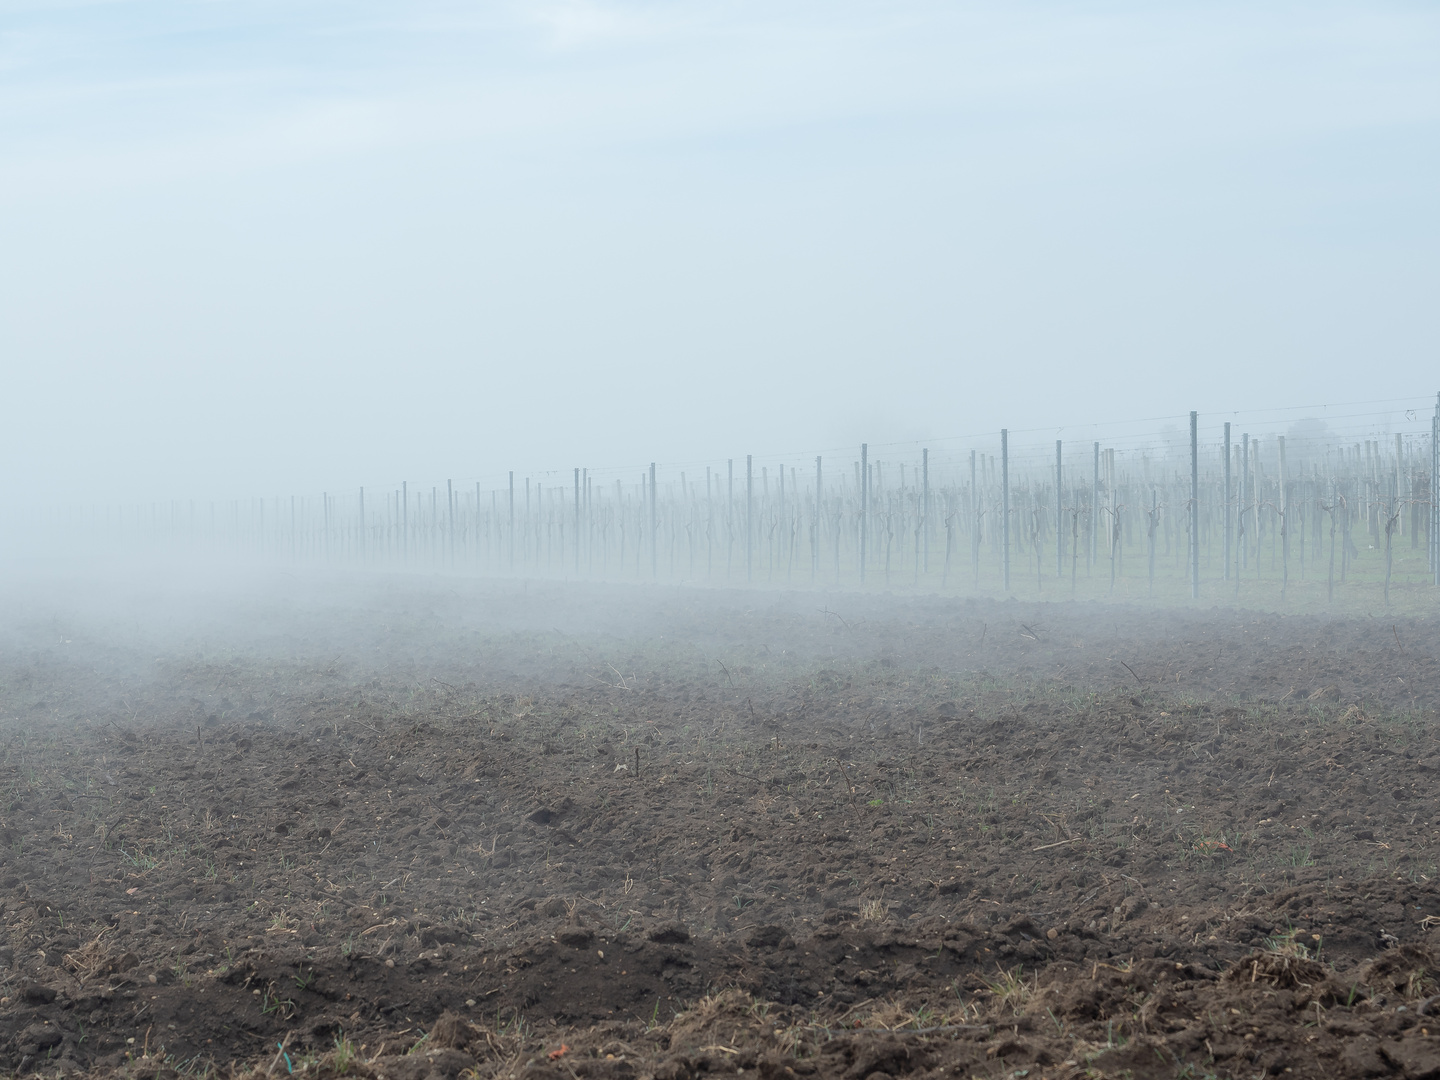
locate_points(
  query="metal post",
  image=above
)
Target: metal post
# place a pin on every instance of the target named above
(654, 530)
(1228, 522)
(1435, 492)
(815, 554)
(1005, 503)
(1194, 506)
(450, 504)
(1242, 555)
(1095, 508)
(1059, 515)
(974, 524)
(1400, 493)
(749, 513)
(1284, 521)
(362, 521)
(512, 521)
(780, 549)
(864, 502)
(577, 522)
(729, 515)
(405, 521)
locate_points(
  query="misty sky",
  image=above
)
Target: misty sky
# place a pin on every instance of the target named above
(267, 247)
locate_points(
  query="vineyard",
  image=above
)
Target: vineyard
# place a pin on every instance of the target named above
(1235, 518)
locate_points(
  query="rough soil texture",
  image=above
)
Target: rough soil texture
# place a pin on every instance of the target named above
(504, 831)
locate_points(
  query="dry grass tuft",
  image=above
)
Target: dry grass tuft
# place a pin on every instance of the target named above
(1011, 989)
(89, 960)
(874, 911)
(1407, 969)
(94, 961)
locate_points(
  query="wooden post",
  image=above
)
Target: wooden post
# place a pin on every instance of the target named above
(1005, 505)
(925, 505)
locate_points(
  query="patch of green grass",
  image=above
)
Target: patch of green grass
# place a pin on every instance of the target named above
(344, 1056)
(1011, 989)
(1288, 943)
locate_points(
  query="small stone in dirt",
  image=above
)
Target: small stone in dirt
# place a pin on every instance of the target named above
(673, 934)
(1133, 905)
(1052, 933)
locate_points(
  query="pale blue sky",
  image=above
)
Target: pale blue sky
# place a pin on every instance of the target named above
(262, 248)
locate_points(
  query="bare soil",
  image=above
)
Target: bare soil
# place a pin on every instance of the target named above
(430, 828)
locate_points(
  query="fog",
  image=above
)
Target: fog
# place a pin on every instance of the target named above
(253, 250)
(581, 536)
(266, 262)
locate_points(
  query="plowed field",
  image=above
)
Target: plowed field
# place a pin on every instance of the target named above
(424, 828)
